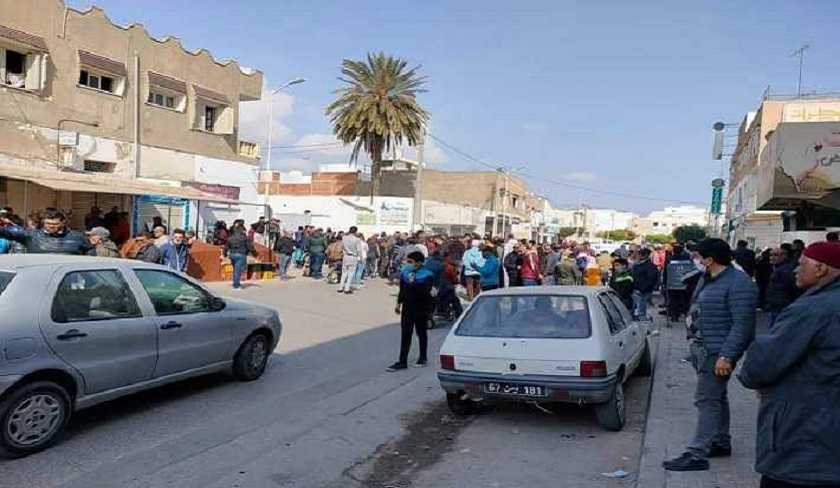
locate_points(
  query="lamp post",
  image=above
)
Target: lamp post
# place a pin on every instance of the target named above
(289, 83)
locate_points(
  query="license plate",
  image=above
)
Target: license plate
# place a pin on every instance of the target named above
(515, 389)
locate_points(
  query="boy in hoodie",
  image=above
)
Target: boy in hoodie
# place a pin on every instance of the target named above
(414, 303)
(473, 261)
(489, 272)
(622, 282)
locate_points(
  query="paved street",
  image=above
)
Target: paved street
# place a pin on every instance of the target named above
(326, 414)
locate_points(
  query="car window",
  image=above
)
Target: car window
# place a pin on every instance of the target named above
(527, 316)
(5, 279)
(622, 309)
(613, 316)
(171, 294)
(93, 295)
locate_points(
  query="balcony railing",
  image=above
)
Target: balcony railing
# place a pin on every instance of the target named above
(249, 149)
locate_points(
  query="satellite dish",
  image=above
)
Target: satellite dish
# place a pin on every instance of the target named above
(718, 183)
(718, 126)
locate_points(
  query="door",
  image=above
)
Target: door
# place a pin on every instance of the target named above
(96, 326)
(191, 333)
(621, 348)
(636, 335)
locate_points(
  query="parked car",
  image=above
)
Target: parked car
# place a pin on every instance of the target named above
(77, 331)
(548, 344)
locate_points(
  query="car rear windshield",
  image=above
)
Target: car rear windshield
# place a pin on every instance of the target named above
(527, 316)
(5, 279)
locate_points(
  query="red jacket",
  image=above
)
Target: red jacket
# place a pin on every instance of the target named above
(531, 266)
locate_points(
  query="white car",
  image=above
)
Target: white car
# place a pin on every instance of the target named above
(545, 344)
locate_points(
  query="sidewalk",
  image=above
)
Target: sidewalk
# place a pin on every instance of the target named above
(671, 420)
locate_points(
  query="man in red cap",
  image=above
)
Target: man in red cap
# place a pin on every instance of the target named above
(796, 368)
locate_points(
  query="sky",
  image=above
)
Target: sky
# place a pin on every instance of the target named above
(606, 103)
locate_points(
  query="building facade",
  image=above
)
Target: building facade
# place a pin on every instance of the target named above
(97, 114)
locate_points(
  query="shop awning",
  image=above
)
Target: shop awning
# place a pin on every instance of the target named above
(68, 181)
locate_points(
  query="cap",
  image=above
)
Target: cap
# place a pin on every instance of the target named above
(825, 252)
(99, 231)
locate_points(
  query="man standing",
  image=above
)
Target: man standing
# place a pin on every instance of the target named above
(101, 243)
(645, 281)
(531, 266)
(161, 238)
(237, 248)
(513, 265)
(781, 288)
(284, 246)
(316, 247)
(175, 254)
(52, 238)
(473, 261)
(352, 246)
(796, 369)
(745, 257)
(414, 303)
(722, 326)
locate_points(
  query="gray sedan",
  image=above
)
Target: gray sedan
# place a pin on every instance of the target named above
(77, 331)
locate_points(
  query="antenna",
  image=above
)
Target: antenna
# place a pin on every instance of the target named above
(801, 53)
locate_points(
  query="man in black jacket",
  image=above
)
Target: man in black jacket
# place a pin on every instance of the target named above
(781, 289)
(53, 238)
(238, 247)
(284, 246)
(745, 257)
(645, 280)
(513, 266)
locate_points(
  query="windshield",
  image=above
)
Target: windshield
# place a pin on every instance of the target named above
(5, 279)
(527, 316)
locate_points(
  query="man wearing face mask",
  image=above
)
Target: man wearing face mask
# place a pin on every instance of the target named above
(723, 326)
(796, 369)
(414, 303)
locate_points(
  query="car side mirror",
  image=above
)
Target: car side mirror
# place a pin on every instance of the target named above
(217, 304)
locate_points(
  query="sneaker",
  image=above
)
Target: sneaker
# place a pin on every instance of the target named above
(348, 292)
(396, 367)
(421, 363)
(720, 451)
(686, 462)
(340, 290)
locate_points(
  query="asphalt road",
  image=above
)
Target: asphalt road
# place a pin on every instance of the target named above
(326, 414)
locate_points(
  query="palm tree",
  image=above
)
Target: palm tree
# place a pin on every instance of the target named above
(377, 109)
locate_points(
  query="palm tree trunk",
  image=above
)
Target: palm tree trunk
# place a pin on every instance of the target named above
(375, 173)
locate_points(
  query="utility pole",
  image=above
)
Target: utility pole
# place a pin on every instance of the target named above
(418, 186)
(801, 53)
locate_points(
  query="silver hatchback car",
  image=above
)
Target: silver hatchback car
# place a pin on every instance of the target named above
(77, 331)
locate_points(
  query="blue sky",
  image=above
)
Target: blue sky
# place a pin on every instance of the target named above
(617, 96)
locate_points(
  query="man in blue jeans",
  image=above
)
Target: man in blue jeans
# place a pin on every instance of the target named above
(284, 246)
(645, 280)
(237, 248)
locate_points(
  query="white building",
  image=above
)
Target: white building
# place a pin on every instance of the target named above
(666, 220)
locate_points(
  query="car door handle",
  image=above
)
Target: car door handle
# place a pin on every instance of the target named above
(171, 325)
(70, 334)
(620, 344)
(634, 332)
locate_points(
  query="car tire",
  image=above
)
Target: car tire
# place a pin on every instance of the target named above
(251, 358)
(612, 414)
(461, 406)
(645, 367)
(32, 418)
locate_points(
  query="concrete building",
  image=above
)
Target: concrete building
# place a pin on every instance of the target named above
(666, 220)
(785, 170)
(93, 113)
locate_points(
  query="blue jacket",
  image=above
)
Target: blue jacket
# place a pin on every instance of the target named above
(725, 317)
(435, 265)
(415, 291)
(174, 257)
(796, 367)
(473, 259)
(489, 271)
(5, 246)
(39, 242)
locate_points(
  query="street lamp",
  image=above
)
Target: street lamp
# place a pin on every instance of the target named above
(289, 83)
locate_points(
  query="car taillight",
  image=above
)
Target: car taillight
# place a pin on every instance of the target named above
(593, 369)
(447, 362)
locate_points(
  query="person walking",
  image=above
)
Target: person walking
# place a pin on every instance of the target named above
(373, 256)
(781, 288)
(645, 281)
(53, 237)
(473, 261)
(285, 247)
(796, 370)
(722, 314)
(175, 253)
(237, 247)
(101, 244)
(316, 247)
(414, 302)
(352, 247)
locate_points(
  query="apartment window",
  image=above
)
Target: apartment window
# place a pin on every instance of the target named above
(162, 100)
(212, 112)
(209, 118)
(97, 81)
(20, 69)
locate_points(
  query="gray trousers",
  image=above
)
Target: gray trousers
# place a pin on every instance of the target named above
(348, 271)
(712, 404)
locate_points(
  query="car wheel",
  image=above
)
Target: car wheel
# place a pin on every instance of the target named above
(612, 414)
(33, 418)
(251, 358)
(645, 367)
(461, 406)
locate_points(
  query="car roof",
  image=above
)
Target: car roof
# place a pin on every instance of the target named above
(588, 291)
(20, 261)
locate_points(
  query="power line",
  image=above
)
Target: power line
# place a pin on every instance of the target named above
(555, 182)
(297, 146)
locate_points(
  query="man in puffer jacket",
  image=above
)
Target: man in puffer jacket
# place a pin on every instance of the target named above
(53, 238)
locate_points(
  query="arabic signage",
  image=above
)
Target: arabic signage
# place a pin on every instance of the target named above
(812, 112)
(800, 162)
(393, 213)
(223, 191)
(365, 218)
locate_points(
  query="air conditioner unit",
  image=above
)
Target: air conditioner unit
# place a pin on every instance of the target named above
(70, 159)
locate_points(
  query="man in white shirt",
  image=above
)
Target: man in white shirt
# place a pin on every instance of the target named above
(352, 253)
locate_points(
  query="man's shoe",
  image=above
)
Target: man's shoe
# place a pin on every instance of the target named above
(396, 367)
(348, 292)
(686, 462)
(720, 451)
(421, 363)
(340, 290)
